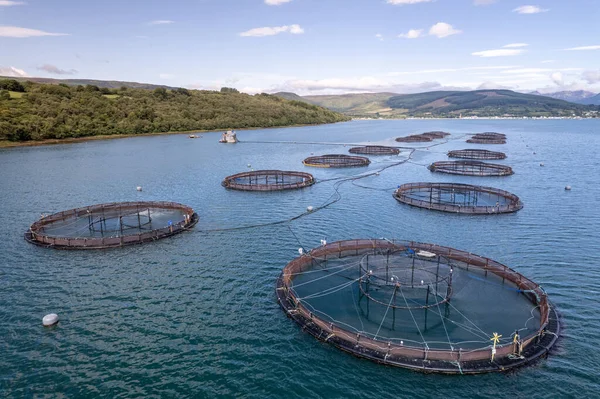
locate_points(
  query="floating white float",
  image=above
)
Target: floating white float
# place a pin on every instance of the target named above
(139, 188)
(310, 208)
(50, 320)
(568, 188)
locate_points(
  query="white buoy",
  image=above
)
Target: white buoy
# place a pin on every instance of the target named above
(376, 173)
(310, 208)
(568, 188)
(541, 164)
(139, 188)
(300, 251)
(323, 242)
(249, 165)
(50, 320)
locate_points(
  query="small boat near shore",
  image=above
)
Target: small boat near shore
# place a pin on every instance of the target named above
(229, 137)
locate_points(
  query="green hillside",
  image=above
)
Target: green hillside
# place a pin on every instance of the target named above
(34, 111)
(451, 104)
(108, 84)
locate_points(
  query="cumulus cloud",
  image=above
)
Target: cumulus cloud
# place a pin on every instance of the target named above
(274, 30)
(515, 45)
(489, 85)
(442, 29)
(161, 22)
(55, 70)
(529, 10)
(402, 2)
(8, 3)
(13, 72)
(379, 36)
(592, 77)
(15, 31)
(412, 34)
(557, 78)
(504, 52)
(583, 48)
(276, 2)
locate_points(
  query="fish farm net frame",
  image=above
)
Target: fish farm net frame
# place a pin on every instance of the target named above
(470, 168)
(375, 150)
(488, 138)
(423, 137)
(352, 321)
(336, 161)
(436, 134)
(268, 180)
(476, 154)
(111, 225)
(458, 198)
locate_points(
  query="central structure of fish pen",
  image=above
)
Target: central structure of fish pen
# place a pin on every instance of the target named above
(476, 154)
(111, 225)
(268, 180)
(420, 306)
(488, 138)
(336, 161)
(470, 168)
(374, 150)
(458, 198)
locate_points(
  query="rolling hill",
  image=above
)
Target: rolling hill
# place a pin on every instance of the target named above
(108, 84)
(483, 103)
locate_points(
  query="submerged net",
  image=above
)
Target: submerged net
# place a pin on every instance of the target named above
(110, 225)
(374, 150)
(471, 168)
(476, 154)
(458, 198)
(268, 180)
(336, 161)
(416, 305)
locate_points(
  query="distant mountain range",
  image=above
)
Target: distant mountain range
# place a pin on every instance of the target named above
(577, 96)
(483, 103)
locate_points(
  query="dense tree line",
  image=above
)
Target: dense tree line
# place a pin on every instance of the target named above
(46, 111)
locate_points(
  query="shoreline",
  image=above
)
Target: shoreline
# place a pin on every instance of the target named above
(75, 140)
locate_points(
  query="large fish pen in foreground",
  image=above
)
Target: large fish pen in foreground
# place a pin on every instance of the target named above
(111, 225)
(420, 306)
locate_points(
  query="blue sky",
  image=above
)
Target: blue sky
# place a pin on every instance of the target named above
(308, 46)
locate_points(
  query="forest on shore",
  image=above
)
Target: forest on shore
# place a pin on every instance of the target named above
(35, 111)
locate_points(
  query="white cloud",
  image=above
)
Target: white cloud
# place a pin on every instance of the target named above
(539, 70)
(499, 52)
(489, 85)
(13, 72)
(592, 77)
(14, 31)
(442, 29)
(161, 22)
(49, 68)
(483, 2)
(275, 30)
(557, 78)
(412, 34)
(402, 2)
(357, 85)
(583, 48)
(276, 2)
(379, 36)
(515, 45)
(529, 10)
(8, 3)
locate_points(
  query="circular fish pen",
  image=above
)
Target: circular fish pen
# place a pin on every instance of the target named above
(374, 150)
(458, 198)
(470, 168)
(415, 138)
(268, 180)
(420, 306)
(488, 138)
(336, 161)
(111, 225)
(476, 154)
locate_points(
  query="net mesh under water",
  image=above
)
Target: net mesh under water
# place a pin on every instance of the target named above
(423, 137)
(109, 225)
(416, 305)
(458, 198)
(471, 168)
(476, 154)
(488, 138)
(268, 180)
(336, 161)
(374, 150)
